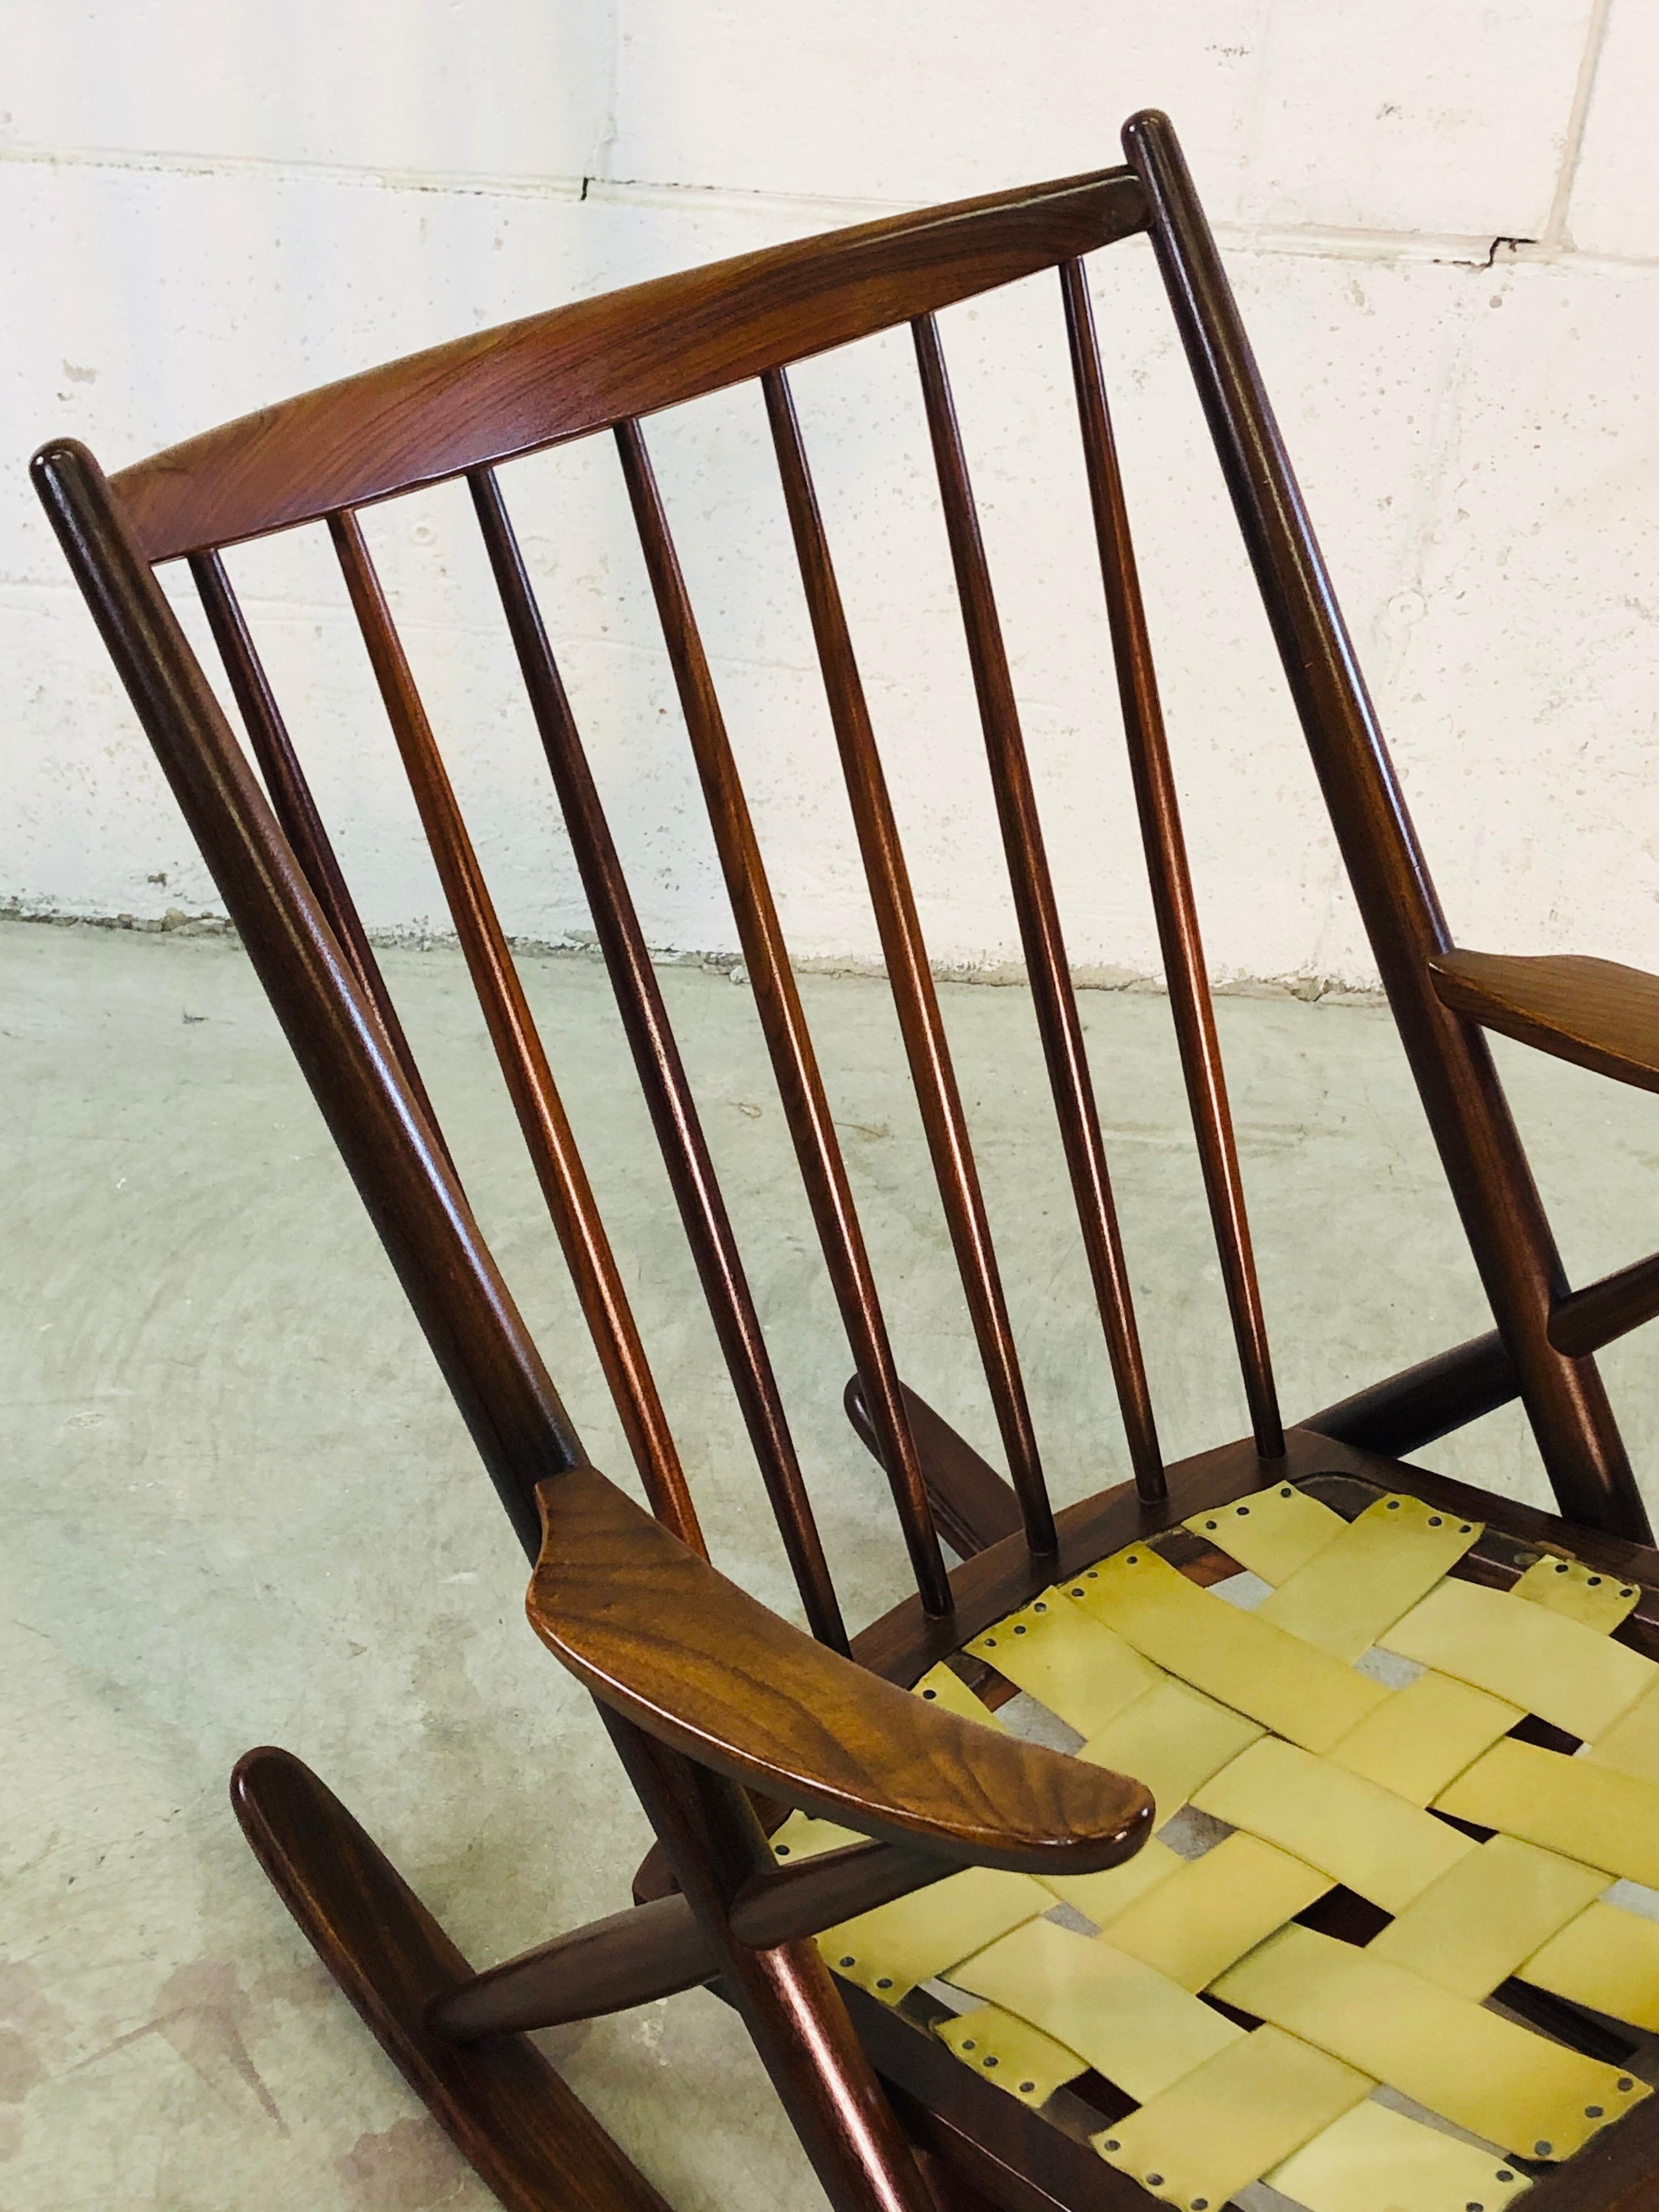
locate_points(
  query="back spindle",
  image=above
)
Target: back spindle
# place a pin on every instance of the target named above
(777, 999)
(1168, 871)
(542, 1117)
(295, 807)
(1055, 1001)
(661, 1071)
(926, 1045)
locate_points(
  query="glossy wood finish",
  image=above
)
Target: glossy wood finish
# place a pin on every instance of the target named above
(785, 1994)
(295, 807)
(404, 1178)
(1167, 872)
(905, 1643)
(495, 393)
(1024, 2161)
(633, 1958)
(1038, 915)
(687, 1657)
(1444, 1393)
(661, 1072)
(926, 1048)
(1429, 1399)
(659, 1949)
(974, 1506)
(547, 1135)
(1585, 1320)
(1594, 1013)
(530, 2138)
(708, 1696)
(1481, 1151)
(777, 1000)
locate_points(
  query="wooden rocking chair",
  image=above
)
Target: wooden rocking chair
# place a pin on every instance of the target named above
(1370, 1956)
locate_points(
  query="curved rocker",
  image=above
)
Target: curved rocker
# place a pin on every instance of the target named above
(726, 1718)
(531, 2139)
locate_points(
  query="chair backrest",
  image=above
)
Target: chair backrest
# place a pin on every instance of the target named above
(465, 409)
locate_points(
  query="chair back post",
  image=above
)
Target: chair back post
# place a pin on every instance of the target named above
(785, 1993)
(1479, 1147)
(391, 1151)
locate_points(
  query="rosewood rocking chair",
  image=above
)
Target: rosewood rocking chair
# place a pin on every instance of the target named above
(1375, 1955)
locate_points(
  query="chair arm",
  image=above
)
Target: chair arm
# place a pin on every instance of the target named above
(662, 1637)
(1603, 1016)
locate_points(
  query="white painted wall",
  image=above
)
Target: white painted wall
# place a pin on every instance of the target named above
(205, 208)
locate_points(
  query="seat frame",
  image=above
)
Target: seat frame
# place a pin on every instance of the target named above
(745, 1717)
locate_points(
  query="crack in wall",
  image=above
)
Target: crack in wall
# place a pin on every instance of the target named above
(1333, 242)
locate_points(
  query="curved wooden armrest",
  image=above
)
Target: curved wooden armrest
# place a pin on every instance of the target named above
(1603, 1016)
(661, 1636)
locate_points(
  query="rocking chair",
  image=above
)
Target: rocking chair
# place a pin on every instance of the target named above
(1399, 1741)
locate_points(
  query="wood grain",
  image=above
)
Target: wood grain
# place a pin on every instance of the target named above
(708, 1695)
(1594, 1013)
(487, 396)
(1037, 912)
(689, 1657)
(1169, 875)
(783, 1023)
(528, 2136)
(488, 1357)
(974, 1506)
(909, 976)
(657, 1062)
(1479, 1147)
(545, 1126)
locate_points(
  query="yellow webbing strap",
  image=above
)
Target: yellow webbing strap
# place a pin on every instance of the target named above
(1573, 1806)
(1494, 1909)
(1359, 1834)
(1223, 2125)
(1273, 1534)
(1497, 2080)
(1196, 1925)
(1631, 1744)
(1099, 1896)
(1546, 1662)
(1376, 2160)
(1011, 2053)
(1608, 1960)
(891, 1950)
(1133, 2024)
(1171, 1683)
(801, 1837)
(1424, 1736)
(1378, 1568)
(1265, 1672)
(943, 1685)
(1599, 1601)
(1073, 1665)
(1173, 1740)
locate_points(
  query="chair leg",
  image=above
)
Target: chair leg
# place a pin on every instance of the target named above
(784, 1994)
(530, 2138)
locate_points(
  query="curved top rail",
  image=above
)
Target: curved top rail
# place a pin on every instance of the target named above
(498, 393)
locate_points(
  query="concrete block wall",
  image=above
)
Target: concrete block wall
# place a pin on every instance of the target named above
(1443, 225)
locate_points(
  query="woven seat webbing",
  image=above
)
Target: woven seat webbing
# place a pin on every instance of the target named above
(1298, 1738)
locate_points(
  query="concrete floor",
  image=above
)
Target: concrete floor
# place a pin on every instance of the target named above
(239, 1508)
